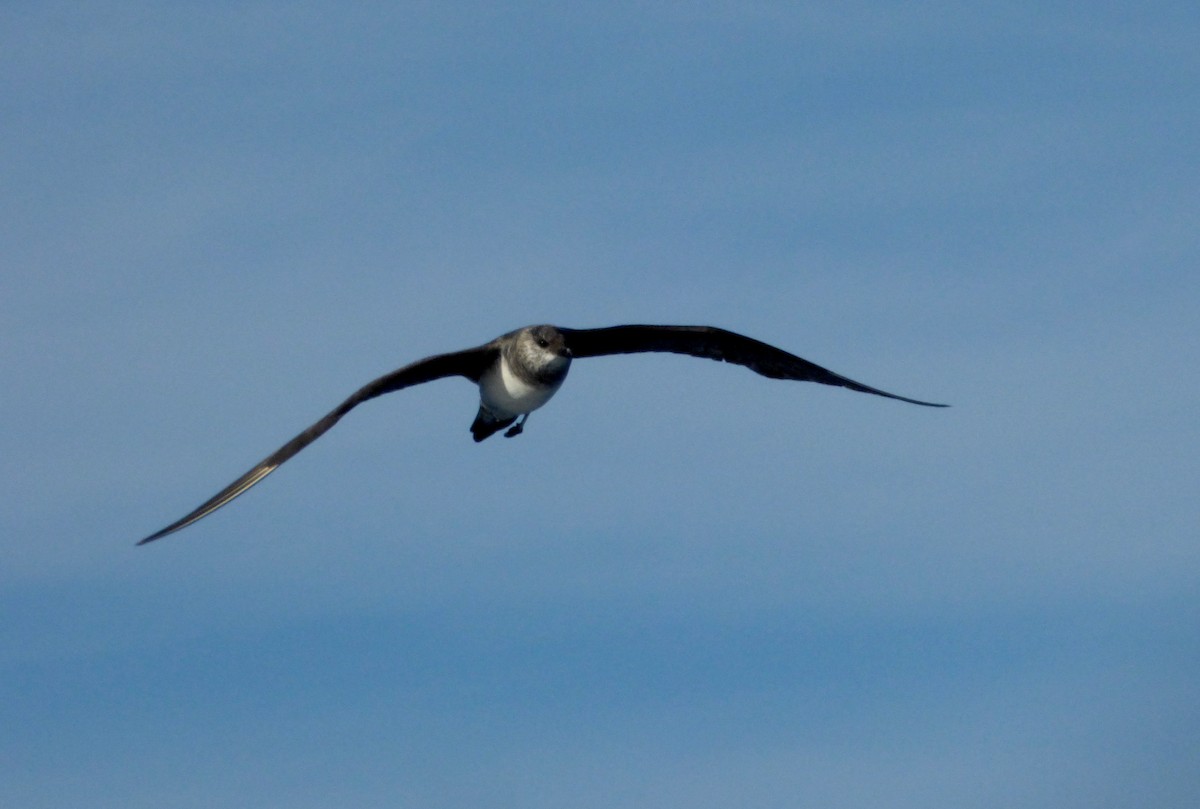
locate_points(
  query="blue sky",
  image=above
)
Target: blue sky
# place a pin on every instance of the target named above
(684, 585)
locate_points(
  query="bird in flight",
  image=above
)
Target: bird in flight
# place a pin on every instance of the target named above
(519, 371)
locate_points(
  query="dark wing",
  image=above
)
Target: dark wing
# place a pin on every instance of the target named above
(470, 363)
(714, 344)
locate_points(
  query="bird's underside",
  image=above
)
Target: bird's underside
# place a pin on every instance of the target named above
(519, 371)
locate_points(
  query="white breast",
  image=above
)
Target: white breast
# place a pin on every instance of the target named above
(506, 394)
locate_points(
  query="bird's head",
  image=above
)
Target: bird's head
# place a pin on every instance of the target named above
(544, 350)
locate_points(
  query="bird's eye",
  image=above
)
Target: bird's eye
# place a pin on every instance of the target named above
(543, 342)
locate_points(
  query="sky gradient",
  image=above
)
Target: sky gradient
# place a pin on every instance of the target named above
(684, 584)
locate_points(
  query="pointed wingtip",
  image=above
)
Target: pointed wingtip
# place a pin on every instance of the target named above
(910, 401)
(162, 532)
(920, 402)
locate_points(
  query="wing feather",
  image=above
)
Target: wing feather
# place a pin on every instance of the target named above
(470, 363)
(713, 343)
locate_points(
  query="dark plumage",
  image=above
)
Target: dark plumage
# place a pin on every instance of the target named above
(518, 372)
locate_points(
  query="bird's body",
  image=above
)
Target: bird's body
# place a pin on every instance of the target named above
(523, 378)
(520, 371)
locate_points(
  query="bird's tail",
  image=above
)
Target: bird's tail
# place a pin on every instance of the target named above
(487, 424)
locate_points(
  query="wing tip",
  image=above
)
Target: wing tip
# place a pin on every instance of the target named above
(154, 536)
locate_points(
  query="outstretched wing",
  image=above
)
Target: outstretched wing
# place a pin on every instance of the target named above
(470, 363)
(714, 344)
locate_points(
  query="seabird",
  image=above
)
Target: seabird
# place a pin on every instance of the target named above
(519, 371)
